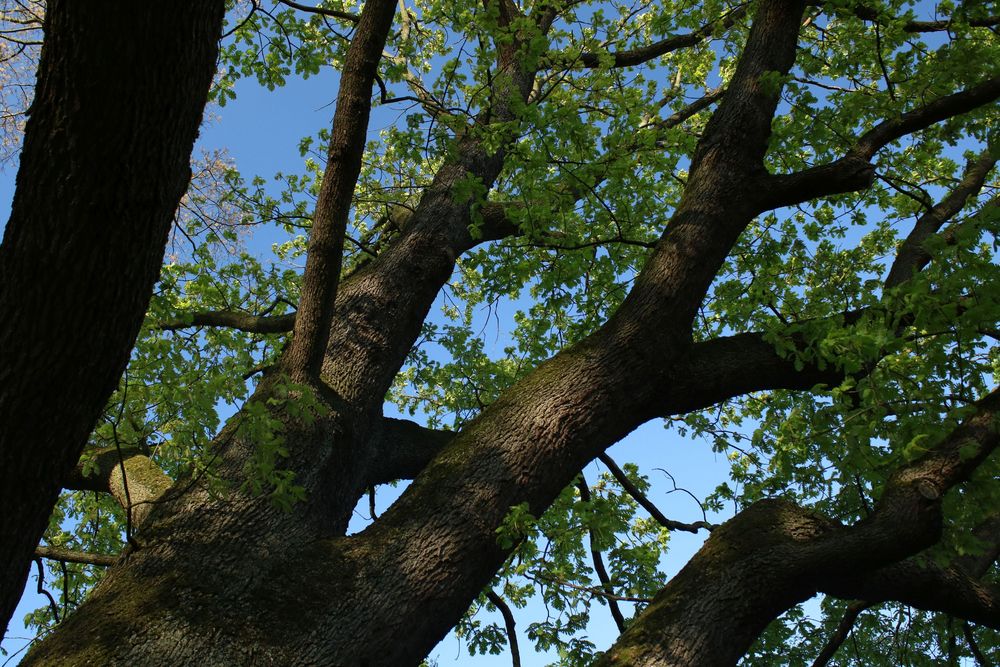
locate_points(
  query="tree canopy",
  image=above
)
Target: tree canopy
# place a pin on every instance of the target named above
(531, 227)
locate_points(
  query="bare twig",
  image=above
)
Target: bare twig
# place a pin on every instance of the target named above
(646, 504)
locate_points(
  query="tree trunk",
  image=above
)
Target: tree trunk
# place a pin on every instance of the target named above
(120, 92)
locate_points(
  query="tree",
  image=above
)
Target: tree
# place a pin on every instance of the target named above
(702, 202)
(96, 191)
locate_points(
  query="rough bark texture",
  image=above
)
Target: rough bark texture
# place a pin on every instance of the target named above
(333, 205)
(130, 476)
(231, 580)
(120, 93)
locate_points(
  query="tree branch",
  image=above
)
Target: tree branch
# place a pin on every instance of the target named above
(402, 448)
(912, 256)
(940, 109)
(146, 481)
(721, 368)
(915, 26)
(643, 54)
(977, 564)
(646, 504)
(682, 115)
(495, 215)
(69, 556)
(323, 11)
(233, 320)
(970, 638)
(841, 633)
(777, 554)
(317, 302)
(508, 621)
(854, 171)
(940, 26)
(598, 560)
(926, 586)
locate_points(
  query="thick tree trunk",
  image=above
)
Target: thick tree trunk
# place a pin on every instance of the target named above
(120, 93)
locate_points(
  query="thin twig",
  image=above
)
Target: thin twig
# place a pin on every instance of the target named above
(645, 503)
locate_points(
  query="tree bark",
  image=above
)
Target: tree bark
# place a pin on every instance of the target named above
(120, 93)
(226, 578)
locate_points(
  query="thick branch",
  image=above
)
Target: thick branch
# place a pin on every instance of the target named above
(643, 54)
(145, 480)
(402, 449)
(69, 556)
(912, 256)
(925, 586)
(346, 148)
(774, 554)
(854, 171)
(940, 109)
(233, 320)
(531, 442)
(841, 633)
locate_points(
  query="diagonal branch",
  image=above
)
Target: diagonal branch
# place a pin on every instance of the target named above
(940, 109)
(646, 504)
(970, 638)
(323, 11)
(333, 205)
(643, 54)
(69, 556)
(533, 441)
(854, 171)
(912, 256)
(598, 560)
(776, 554)
(260, 324)
(102, 471)
(841, 633)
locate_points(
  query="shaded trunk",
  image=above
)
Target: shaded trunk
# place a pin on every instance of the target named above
(119, 98)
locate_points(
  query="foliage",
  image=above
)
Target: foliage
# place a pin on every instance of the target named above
(595, 172)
